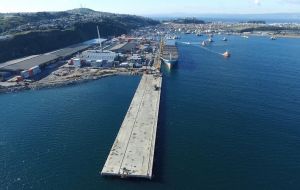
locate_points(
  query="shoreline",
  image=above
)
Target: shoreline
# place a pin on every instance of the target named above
(278, 36)
(38, 85)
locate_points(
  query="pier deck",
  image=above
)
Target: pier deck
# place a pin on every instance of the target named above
(132, 153)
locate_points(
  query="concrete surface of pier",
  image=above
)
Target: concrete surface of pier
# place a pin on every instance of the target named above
(132, 153)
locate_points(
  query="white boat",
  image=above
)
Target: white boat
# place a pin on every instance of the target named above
(226, 54)
(225, 39)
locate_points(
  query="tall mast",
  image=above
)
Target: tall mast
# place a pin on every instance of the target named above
(99, 39)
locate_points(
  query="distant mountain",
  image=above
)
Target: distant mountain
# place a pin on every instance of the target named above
(188, 21)
(35, 33)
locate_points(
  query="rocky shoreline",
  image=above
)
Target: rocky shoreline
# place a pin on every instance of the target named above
(66, 76)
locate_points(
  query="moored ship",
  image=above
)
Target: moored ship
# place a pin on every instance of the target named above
(170, 55)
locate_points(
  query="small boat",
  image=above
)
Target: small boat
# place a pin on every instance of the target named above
(203, 43)
(198, 34)
(210, 40)
(245, 37)
(273, 38)
(225, 39)
(226, 54)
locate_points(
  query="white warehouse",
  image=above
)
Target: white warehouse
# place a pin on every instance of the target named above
(95, 55)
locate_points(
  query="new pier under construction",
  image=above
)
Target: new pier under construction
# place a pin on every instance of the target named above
(132, 153)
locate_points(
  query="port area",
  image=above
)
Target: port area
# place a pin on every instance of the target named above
(123, 55)
(132, 153)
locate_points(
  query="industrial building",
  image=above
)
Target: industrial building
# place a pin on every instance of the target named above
(94, 55)
(126, 47)
(25, 65)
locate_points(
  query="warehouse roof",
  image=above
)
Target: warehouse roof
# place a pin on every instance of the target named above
(28, 63)
(71, 50)
(25, 64)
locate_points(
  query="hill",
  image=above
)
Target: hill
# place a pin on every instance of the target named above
(35, 33)
(188, 21)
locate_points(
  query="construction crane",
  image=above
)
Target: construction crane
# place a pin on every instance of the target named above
(157, 61)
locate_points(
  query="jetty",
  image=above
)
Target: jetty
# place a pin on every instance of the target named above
(132, 153)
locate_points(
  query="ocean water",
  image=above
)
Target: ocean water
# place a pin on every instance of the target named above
(223, 124)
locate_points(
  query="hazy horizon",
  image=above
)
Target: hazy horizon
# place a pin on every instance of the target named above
(156, 7)
(175, 14)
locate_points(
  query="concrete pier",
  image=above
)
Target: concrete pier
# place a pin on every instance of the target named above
(132, 153)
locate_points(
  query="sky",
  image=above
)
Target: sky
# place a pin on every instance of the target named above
(153, 7)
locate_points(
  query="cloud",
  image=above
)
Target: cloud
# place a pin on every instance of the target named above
(291, 1)
(257, 2)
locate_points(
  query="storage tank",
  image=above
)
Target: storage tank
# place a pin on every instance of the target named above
(77, 62)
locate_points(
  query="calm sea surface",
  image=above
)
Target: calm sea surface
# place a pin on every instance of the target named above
(224, 124)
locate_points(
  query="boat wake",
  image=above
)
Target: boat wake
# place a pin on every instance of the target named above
(209, 50)
(205, 48)
(190, 43)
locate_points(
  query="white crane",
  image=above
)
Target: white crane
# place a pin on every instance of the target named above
(99, 39)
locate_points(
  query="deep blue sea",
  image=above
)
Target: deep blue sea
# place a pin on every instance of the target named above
(224, 124)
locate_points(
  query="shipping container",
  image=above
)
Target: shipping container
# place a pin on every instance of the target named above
(16, 79)
(70, 62)
(25, 74)
(98, 63)
(19, 78)
(30, 71)
(35, 70)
